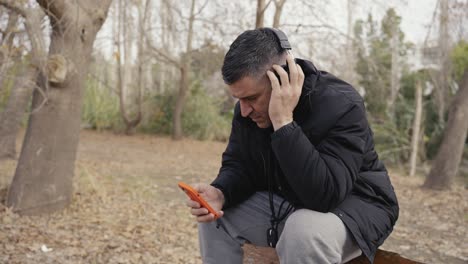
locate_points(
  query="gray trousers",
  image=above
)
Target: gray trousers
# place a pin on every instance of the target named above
(306, 236)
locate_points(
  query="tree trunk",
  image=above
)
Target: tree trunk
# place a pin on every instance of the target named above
(349, 74)
(395, 70)
(260, 17)
(25, 82)
(279, 9)
(14, 111)
(142, 17)
(130, 124)
(185, 70)
(178, 110)
(416, 128)
(7, 41)
(8, 35)
(447, 161)
(43, 179)
(442, 79)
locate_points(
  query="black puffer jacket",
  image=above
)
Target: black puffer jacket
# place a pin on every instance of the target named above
(323, 161)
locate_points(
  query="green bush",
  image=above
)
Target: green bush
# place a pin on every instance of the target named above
(158, 114)
(459, 58)
(391, 142)
(100, 107)
(201, 118)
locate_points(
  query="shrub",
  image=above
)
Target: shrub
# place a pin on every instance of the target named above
(201, 118)
(392, 143)
(100, 107)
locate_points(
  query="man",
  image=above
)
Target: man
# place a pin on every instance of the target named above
(300, 172)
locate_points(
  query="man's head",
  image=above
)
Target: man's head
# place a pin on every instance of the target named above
(244, 70)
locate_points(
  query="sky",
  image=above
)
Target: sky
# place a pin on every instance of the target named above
(416, 18)
(416, 14)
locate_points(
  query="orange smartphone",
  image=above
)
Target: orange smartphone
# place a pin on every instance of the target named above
(195, 196)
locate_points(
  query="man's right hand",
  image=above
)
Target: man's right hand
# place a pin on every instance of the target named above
(213, 196)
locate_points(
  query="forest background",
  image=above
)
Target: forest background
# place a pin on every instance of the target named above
(144, 76)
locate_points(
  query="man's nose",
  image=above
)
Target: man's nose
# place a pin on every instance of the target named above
(246, 108)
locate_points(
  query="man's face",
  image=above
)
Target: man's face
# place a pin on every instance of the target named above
(254, 99)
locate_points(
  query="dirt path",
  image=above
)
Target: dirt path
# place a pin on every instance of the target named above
(127, 209)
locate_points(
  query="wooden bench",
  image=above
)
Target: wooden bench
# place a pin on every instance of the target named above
(267, 255)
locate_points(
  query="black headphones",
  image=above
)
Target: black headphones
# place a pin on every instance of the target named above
(284, 44)
(282, 38)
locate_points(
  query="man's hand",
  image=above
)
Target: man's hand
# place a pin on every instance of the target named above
(285, 96)
(211, 195)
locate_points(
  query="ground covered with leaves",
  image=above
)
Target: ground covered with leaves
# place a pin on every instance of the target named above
(127, 208)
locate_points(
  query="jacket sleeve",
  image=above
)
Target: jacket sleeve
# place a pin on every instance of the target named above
(323, 175)
(233, 179)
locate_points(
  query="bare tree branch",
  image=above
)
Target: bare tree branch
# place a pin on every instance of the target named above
(201, 9)
(96, 10)
(105, 84)
(175, 9)
(266, 6)
(434, 13)
(163, 55)
(53, 7)
(9, 33)
(32, 17)
(326, 26)
(14, 6)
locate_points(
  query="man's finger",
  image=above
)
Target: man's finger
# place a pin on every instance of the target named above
(292, 70)
(205, 218)
(199, 211)
(191, 203)
(197, 187)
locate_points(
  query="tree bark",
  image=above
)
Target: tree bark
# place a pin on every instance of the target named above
(43, 179)
(447, 161)
(11, 117)
(7, 41)
(14, 111)
(416, 128)
(185, 70)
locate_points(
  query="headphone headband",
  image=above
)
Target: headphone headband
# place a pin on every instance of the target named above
(282, 38)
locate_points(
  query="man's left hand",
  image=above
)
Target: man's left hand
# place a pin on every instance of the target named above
(285, 96)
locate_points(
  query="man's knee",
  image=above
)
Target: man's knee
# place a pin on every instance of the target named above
(304, 228)
(312, 236)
